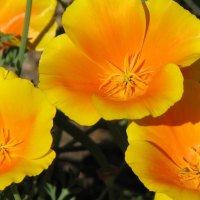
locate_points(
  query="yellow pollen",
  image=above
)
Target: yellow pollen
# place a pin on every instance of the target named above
(7, 145)
(190, 174)
(128, 83)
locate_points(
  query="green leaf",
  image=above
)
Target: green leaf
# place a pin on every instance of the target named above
(51, 191)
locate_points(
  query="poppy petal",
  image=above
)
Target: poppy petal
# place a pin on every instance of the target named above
(69, 78)
(162, 149)
(173, 34)
(158, 98)
(12, 20)
(109, 29)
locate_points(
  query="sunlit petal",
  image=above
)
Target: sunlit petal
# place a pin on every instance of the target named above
(26, 118)
(165, 152)
(75, 78)
(110, 30)
(173, 34)
(157, 99)
(12, 20)
(119, 58)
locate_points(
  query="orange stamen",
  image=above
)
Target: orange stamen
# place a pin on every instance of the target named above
(128, 83)
(190, 174)
(7, 144)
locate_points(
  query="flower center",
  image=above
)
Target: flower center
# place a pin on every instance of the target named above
(7, 146)
(190, 173)
(128, 83)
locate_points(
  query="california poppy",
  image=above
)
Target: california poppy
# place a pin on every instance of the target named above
(119, 59)
(165, 152)
(12, 16)
(26, 118)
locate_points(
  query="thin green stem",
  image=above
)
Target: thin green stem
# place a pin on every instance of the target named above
(48, 174)
(119, 135)
(24, 35)
(15, 192)
(103, 194)
(73, 141)
(7, 194)
(109, 183)
(80, 136)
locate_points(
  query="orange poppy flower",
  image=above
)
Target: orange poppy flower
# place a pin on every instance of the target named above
(165, 152)
(115, 60)
(42, 25)
(25, 124)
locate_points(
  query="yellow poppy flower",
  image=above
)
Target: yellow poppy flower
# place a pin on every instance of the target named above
(165, 152)
(25, 124)
(42, 25)
(119, 59)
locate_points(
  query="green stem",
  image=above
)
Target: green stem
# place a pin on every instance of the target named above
(73, 141)
(102, 195)
(119, 135)
(109, 184)
(80, 136)
(15, 192)
(48, 174)
(24, 35)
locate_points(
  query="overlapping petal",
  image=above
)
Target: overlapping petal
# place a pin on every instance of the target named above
(126, 60)
(110, 30)
(173, 34)
(42, 25)
(69, 77)
(157, 99)
(5, 74)
(26, 119)
(25, 167)
(161, 151)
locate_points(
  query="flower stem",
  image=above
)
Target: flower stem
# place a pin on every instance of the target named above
(48, 174)
(24, 35)
(83, 138)
(15, 192)
(119, 134)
